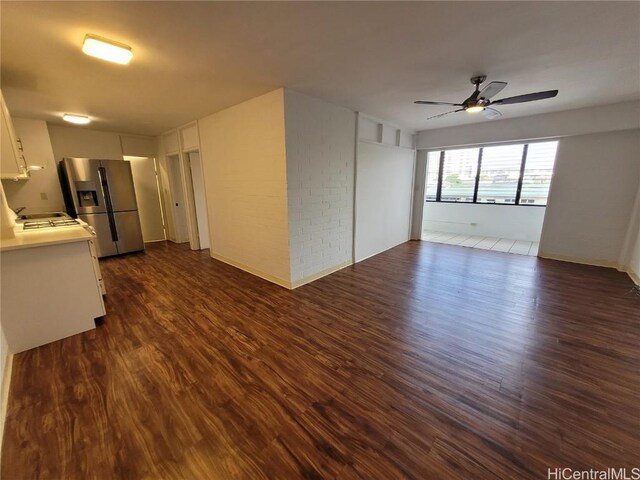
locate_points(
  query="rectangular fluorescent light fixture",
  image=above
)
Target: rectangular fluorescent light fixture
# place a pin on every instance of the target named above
(106, 49)
(77, 119)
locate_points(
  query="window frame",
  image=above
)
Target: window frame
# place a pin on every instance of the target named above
(518, 196)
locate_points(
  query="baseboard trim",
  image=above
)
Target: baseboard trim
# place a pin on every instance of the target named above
(596, 262)
(323, 273)
(634, 276)
(4, 394)
(252, 271)
(383, 250)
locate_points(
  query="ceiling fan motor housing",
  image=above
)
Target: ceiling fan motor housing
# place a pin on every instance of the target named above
(478, 80)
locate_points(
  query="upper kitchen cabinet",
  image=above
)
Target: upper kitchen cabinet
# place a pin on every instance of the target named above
(12, 161)
(170, 143)
(35, 142)
(189, 137)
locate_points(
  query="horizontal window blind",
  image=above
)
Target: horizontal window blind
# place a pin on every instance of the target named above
(459, 175)
(537, 173)
(499, 174)
(433, 170)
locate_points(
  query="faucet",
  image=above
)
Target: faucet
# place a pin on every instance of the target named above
(18, 210)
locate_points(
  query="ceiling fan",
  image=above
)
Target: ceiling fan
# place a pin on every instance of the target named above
(480, 100)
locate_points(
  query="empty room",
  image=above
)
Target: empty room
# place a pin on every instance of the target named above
(320, 240)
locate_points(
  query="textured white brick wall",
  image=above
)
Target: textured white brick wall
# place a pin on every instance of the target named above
(320, 148)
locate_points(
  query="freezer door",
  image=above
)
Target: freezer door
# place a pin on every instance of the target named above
(120, 185)
(129, 232)
(84, 185)
(105, 246)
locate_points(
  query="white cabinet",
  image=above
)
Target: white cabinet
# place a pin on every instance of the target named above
(170, 143)
(48, 293)
(189, 137)
(12, 162)
(96, 267)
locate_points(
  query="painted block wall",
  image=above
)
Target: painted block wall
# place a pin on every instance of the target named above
(320, 149)
(244, 167)
(501, 221)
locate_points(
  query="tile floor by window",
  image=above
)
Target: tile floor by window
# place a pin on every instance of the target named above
(519, 247)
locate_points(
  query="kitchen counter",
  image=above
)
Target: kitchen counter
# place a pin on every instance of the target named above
(44, 237)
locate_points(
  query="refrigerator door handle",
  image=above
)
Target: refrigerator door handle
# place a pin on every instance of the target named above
(102, 173)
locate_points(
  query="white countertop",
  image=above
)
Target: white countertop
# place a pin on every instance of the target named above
(44, 237)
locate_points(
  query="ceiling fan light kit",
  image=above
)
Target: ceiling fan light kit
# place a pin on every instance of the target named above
(480, 100)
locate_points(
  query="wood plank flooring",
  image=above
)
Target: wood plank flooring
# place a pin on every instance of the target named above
(428, 361)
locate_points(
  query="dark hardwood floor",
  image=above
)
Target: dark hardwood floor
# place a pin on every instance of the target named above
(428, 361)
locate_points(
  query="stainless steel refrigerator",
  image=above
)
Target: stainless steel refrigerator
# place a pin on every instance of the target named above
(101, 193)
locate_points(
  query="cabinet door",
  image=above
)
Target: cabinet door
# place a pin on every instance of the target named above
(12, 162)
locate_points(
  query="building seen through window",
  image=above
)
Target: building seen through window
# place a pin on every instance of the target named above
(501, 174)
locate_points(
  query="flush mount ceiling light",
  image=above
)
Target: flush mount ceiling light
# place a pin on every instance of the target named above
(77, 119)
(106, 49)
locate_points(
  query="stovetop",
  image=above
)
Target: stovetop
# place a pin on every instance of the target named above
(62, 222)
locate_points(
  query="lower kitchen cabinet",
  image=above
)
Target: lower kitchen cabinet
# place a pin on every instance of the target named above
(48, 293)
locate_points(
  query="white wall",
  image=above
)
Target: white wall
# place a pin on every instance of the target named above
(633, 266)
(320, 148)
(244, 164)
(630, 257)
(41, 193)
(502, 221)
(583, 121)
(592, 197)
(384, 186)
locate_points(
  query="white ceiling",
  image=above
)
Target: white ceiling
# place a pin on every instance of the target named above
(195, 58)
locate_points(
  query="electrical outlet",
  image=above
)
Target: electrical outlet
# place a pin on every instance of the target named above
(44, 196)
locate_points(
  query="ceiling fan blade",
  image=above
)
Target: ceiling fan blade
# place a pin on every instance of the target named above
(490, 113)
(529, 97)
(446, 113)
(492, 89)
(425, 102)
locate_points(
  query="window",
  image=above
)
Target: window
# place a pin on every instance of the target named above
(498, 174)
(537, 173)
(433, 170)
(459, 175)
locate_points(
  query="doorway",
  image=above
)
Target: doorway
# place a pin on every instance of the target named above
(145, 180)
(194, 163)
(178, 203)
